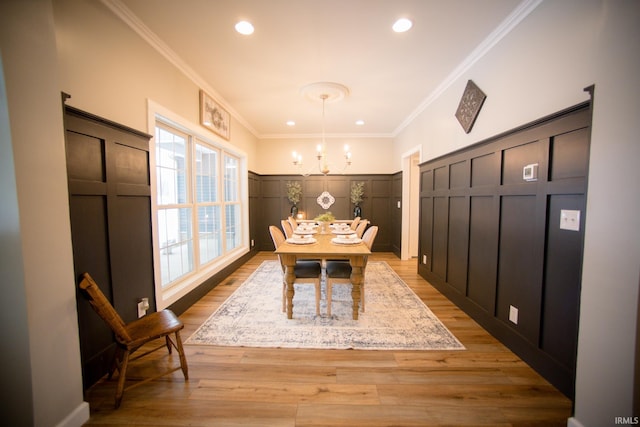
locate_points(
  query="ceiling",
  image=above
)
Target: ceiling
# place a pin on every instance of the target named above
(259, 78)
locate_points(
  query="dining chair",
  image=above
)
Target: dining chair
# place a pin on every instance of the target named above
(286, 227)
(293, 222)
(305, 271)
(338, 272)
(362, 226)
(354, 223)
(130, 337)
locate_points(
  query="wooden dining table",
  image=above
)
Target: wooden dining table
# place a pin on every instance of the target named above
(324, 248)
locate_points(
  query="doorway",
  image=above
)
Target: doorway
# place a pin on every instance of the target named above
(410, 202)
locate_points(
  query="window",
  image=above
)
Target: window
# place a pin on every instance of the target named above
(198, 206)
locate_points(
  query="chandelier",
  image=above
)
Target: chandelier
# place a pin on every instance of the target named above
(323, 91)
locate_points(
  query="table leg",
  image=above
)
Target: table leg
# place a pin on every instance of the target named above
(289, 262)
(357, 264)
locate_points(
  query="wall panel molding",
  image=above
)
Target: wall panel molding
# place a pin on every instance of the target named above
(490, 237)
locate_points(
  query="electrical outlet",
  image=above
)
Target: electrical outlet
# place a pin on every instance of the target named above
(513, 314)
(424, 259)
(253, 243)
(143, 306)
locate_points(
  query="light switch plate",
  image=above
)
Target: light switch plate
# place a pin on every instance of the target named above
(569, 220)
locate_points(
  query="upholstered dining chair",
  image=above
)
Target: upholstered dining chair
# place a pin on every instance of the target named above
(130, 337)
(286, 227)
(305, 271)
(362, 225)
(339, 271)
(293, 222)
(355, 222)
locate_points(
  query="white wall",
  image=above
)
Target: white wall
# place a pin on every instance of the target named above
(110, 71)
(539, 68)
(47, 279)
(370, 155)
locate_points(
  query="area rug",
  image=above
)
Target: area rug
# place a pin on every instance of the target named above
(395, 318)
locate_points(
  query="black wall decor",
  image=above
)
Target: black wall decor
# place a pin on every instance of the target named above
(470, 105)
(492, 239)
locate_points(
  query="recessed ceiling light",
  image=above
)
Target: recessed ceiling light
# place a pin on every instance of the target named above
(244, 27)
(291, 123)
(402, 25)
(359, 122)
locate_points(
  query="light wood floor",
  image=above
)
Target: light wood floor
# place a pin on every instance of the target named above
(485, 384)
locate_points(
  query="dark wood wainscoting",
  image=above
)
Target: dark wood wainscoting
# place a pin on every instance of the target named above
(110, 210)
(491, 237)
(271, 204)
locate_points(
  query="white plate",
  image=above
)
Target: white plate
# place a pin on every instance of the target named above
(301, 240)
(346, 231)
(305, 231)
(343, 241)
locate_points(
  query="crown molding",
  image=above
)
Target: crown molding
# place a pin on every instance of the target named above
(129, 18)
(509, 23)
(505, 27)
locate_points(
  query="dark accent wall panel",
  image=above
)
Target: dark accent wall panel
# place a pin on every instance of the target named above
(377, 206)
(569, 155)
(440, 236)
(517, 286)
(131, 259)
(110, 214)
(426, 235)
(483, 252)
(484, 170)
(441, 178)
(458, 244)
(515, 158)
(562, 279)
(458, 175)
(426, 181)
(491, 241)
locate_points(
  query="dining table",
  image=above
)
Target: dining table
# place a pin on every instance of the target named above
(324, 246)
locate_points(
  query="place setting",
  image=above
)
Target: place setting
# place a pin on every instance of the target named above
(306, 229)
(301, 239)
(342, 230)
(346, 239)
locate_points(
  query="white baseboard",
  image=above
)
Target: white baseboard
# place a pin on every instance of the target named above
(572, 422)
(77, 418)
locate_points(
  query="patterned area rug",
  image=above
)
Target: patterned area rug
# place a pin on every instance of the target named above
(395, 318)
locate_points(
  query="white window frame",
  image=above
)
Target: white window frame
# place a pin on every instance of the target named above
(189, 282)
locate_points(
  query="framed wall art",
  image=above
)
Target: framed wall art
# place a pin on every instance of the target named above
(213, 116)
(470, 104)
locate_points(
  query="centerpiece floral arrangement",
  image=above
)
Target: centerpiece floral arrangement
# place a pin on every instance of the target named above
(325, 217)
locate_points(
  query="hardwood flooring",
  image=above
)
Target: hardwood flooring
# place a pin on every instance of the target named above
(486, 384)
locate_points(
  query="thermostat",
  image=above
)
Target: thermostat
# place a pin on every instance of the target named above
(530, 172)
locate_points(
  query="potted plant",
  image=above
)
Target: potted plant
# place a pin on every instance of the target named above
(357, 193)
(294, 192)
(324, 220)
